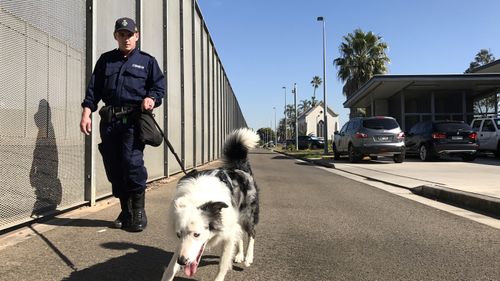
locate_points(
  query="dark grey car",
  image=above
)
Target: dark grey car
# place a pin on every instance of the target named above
(430, 140)
(370, 136)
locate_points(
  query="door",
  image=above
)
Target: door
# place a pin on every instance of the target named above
(340, 140)
(486, 136)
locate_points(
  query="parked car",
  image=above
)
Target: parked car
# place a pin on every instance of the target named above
(306, 142)
(370, 136)
(488, 134)
(430, 140)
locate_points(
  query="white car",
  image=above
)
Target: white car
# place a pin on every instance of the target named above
(488, 134)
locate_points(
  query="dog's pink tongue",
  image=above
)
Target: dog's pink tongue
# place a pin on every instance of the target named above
(190, 269)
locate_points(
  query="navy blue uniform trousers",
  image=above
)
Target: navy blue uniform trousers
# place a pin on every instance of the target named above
(122, 155)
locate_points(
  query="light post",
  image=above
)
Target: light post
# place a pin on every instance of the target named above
(275, 132)
(325, 121)
(296, 125)
(286, 135)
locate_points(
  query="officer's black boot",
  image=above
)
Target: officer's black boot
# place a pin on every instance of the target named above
(125, 217)
(139, 219)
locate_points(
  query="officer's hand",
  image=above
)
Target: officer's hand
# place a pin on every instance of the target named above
(86, 122)
(148, 104)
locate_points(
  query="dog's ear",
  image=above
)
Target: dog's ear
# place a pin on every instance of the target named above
(212, 211)
(213, 207)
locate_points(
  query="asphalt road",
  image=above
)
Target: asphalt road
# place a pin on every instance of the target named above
(315, 225)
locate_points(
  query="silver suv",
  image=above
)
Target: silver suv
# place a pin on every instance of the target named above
(488, 134)
(370, 136)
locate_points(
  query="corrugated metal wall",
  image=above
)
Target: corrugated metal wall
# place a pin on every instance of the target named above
(47, 50)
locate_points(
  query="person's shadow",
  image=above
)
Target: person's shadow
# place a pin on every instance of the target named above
(44, 169)
(142, 263)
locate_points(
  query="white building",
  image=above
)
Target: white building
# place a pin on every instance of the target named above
(311, 122)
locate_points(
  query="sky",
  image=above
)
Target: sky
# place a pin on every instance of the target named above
(265, 45)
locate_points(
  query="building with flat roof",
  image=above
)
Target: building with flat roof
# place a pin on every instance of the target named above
(414, 98)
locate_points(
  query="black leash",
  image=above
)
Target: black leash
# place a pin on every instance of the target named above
(170, 146)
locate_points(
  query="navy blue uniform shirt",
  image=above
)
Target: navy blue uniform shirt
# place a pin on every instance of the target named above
(120, 81)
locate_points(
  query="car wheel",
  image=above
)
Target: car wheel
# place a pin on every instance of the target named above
(374, 157)
(497, 153)
(353, 157)
(424, 153)
(314, 146)
(468, 157)
(399, 158)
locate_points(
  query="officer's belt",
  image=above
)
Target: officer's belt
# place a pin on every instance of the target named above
(123, 110)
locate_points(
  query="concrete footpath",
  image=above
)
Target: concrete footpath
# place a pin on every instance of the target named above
(470, 185)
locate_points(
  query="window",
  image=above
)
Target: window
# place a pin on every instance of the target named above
(415, 129)
(488, 126)
(451, 126)
(344, 128)
(320, 128)
(380, 124)
(476, 125)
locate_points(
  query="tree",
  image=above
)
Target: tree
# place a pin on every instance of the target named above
(362, 56)
(482, 57)
(281, 130)
(266, 134)
(486, 104)
(290, 115)
(303, 106)
(315, 82)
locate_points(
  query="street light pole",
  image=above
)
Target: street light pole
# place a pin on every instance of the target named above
(325, 120)
(286, 135)
(296, 125)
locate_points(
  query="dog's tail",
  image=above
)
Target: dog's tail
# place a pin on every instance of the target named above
(236, 148)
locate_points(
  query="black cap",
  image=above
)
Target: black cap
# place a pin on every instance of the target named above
(125, 24)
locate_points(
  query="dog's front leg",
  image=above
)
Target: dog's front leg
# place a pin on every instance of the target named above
(240, 255)
(226, 259)
(249, 256)
(172, 268)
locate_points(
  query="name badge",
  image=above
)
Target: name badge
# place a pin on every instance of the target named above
(137, 66)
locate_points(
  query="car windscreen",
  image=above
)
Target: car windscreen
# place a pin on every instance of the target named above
(451, 127)
(380, 124)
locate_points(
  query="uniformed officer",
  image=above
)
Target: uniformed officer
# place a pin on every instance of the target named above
(127, 80)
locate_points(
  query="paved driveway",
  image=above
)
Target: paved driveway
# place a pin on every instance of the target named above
(481, 176)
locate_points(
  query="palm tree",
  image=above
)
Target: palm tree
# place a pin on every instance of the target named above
(303, 106)
(362, 56)
(482, 57)
(315, 82)
(290, 115)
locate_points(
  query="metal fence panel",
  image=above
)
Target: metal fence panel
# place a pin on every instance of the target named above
(174, 83)
(188, 81)
(198, 124)
(106, 13)
(151, 35)
(41, 76)
(205, 92)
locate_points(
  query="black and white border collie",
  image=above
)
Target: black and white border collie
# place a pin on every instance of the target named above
(216, 206)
